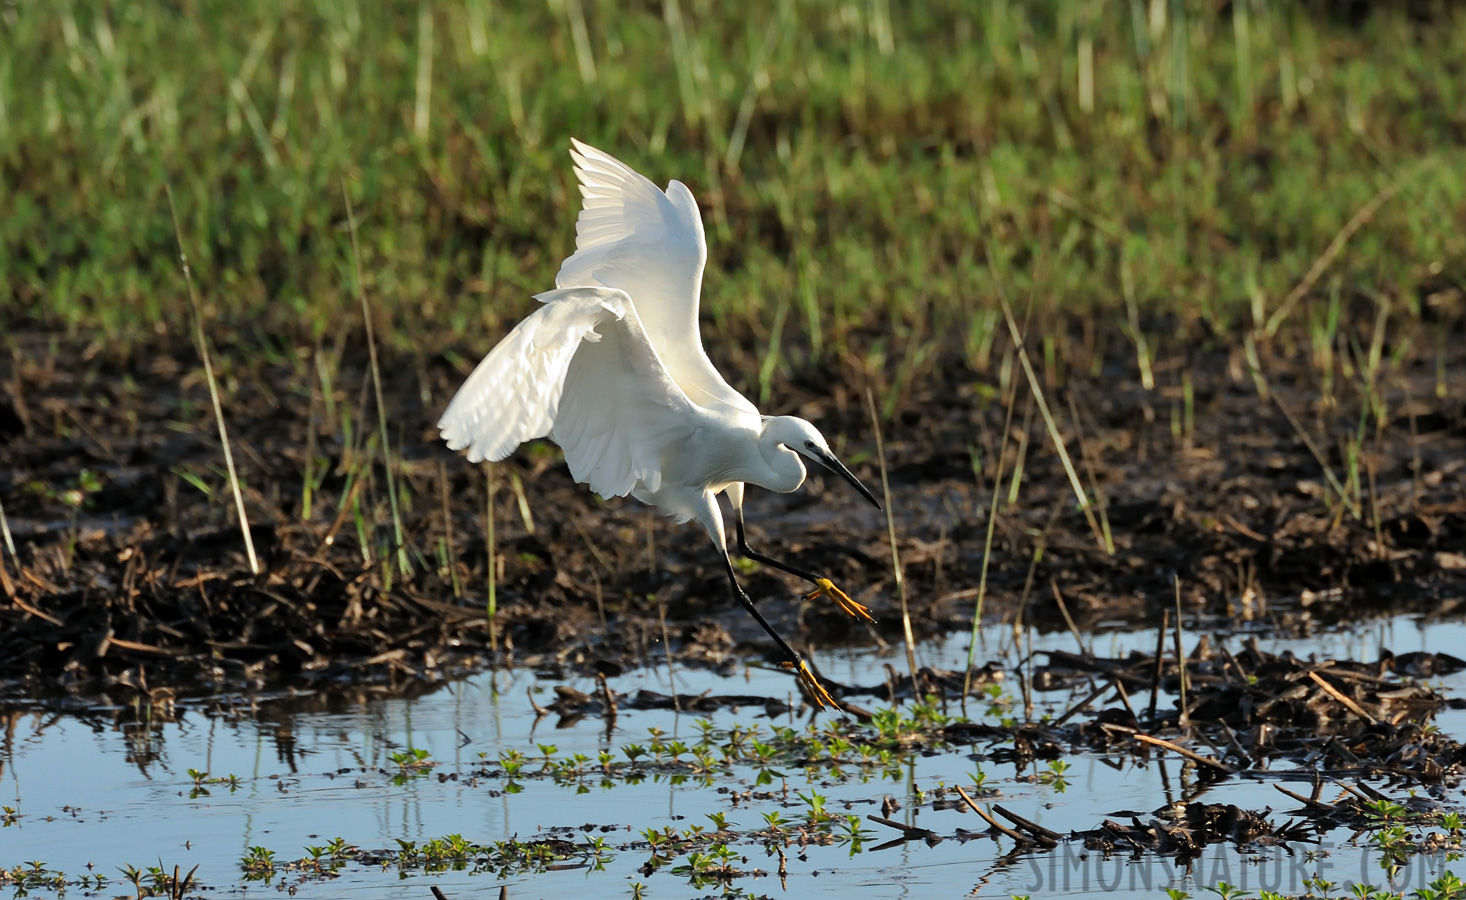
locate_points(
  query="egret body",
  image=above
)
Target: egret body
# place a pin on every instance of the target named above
(612, 368)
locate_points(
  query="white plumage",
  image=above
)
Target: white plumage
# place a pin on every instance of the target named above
(651, 245)
(612, 368)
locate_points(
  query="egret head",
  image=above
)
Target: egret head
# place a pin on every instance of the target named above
(803, 438)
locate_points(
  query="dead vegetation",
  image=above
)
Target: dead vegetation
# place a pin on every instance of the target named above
(126, 558)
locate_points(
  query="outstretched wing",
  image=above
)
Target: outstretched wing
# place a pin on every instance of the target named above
(650, 244)
(581, 370)
(514, 394)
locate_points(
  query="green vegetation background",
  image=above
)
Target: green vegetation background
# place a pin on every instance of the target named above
(851, 158)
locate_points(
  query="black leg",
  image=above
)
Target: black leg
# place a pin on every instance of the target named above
(823, 586)
(768, 560)
(794, 660)
(747, 603)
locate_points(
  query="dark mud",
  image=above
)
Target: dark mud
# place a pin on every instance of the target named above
(129, 573)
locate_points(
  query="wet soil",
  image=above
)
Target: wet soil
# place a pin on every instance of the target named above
(129, 573)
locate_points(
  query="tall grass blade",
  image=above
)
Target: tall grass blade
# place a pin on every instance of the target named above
(1043, 408)
(491, 545)
(403, 565)
(757, 79)
(422, 105)
(1182, 720)
(987, 549)
(5, 530)
(203, 347)
(522, 500)
(667, 646)
(1336, 246)
(584, 57)
(1094, 488)
(449, 552)
(1021, 459)
(1307, 439)
(1132, 317)
(875, 423)
(6, 585)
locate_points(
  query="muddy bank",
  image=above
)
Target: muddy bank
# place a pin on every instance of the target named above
(130, 574)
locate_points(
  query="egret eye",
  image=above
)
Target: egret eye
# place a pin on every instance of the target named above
(809, 444)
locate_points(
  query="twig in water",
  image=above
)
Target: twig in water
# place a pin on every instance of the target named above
(1068, 619)
(667, 646)
(1182, 721)
(1189, 754)
(1093, 695)
(1311, 803)
(1020, 838)
(1045, 835)
(1160, 659)
(1124, 696)
(909, 832)
(607, 698)
(1343, 698)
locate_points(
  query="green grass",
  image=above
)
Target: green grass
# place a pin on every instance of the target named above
(851, 159)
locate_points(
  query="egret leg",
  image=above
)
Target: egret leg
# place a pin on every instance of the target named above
(823, 587)
(793, 660)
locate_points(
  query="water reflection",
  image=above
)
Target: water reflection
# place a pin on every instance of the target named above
(112, 786)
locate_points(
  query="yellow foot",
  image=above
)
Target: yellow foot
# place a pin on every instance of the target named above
(811, 684)
(824, 587)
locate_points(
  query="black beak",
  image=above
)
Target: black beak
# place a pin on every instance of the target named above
(829, 461)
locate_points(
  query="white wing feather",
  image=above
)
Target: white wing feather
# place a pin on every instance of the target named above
(581, 370)
(650, 244)
(513, 395)
(621, 413)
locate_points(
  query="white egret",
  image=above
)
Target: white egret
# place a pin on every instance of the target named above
(612, 369)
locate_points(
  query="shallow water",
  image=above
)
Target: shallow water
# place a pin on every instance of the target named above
(98, 790)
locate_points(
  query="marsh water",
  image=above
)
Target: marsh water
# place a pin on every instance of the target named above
(97, 790)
